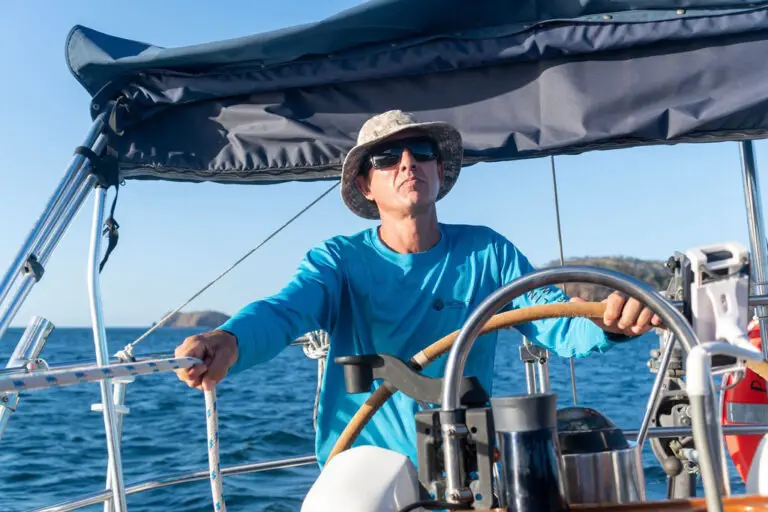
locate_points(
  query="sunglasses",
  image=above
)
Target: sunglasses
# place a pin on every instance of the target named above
(423, 149)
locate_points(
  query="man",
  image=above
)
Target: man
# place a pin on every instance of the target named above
(398, 287)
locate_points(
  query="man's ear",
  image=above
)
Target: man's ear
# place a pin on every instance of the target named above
(362, 184)
(440, 171)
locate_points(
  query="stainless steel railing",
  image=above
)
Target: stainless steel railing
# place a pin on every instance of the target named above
(178, 479)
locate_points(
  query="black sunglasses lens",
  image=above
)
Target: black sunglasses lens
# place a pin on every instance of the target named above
(422, 150)
(385, 159)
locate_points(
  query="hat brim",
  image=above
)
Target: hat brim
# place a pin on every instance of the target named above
(448, 140)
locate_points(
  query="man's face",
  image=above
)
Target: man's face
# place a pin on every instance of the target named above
(404, 175)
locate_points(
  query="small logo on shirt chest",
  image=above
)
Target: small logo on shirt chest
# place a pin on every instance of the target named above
(439, 304)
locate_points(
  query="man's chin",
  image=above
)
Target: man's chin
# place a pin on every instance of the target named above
(411, 206)
(417, 197)
(421, 207)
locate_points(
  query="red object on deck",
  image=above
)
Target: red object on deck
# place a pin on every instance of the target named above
(751, 391)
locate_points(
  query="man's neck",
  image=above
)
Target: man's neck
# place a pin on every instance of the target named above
(410, 234)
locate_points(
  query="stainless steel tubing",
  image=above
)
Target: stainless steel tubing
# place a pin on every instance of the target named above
(47, 246)
(118, 398)
(457, 357)
(653, 401)
(63, 193)
(757, 240)
(728, 430)
(102, 357)
(181, 478)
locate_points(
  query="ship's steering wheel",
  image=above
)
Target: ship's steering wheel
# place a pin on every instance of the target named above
(443, 345)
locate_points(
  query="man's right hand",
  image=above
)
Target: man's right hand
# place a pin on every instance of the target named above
(218, 352)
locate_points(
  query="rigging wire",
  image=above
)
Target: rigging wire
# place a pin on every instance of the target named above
(562, 262)
(127, 352)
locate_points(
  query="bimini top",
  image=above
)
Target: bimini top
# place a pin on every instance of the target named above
(519, 78)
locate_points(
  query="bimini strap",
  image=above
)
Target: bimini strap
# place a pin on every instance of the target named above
(105, 168)
(111, 230)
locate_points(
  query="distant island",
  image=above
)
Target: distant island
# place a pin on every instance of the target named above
(655, 273)
(208, 319)
(652, 272)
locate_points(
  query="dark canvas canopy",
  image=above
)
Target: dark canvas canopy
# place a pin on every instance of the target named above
(519, 78)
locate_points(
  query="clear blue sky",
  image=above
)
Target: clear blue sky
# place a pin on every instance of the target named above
(174, 237)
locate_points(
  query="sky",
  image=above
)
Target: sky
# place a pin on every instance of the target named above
(175, 238)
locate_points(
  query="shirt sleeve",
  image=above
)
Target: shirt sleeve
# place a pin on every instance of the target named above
(309, 302)
(567, 337)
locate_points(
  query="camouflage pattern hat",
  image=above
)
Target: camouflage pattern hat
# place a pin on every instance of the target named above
(376, 130)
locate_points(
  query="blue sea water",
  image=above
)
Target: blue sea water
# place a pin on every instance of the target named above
(54, 448)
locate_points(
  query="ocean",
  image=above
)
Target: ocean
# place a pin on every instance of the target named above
(54, 448)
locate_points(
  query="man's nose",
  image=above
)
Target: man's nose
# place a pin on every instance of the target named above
(407, 161)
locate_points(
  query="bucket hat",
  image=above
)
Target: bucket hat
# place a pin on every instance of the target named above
(383, 126)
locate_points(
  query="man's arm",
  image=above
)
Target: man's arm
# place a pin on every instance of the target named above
(262, 329)
(567, 337)
(309, 302)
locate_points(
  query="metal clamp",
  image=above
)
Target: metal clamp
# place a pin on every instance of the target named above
(119, 395)
(530, 353)
(37, 364)
(9, 402)
(33, 267)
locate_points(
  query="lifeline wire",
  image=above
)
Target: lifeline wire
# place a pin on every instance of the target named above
(127, 352)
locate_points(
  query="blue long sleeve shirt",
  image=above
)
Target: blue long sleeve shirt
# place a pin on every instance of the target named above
(371, 299)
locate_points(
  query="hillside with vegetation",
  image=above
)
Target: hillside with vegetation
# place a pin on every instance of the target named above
(655, 273)
(207, 319)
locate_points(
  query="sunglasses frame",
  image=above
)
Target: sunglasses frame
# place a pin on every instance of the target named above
(402, 144)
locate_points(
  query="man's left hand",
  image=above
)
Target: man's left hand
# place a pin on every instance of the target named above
(627, 317)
